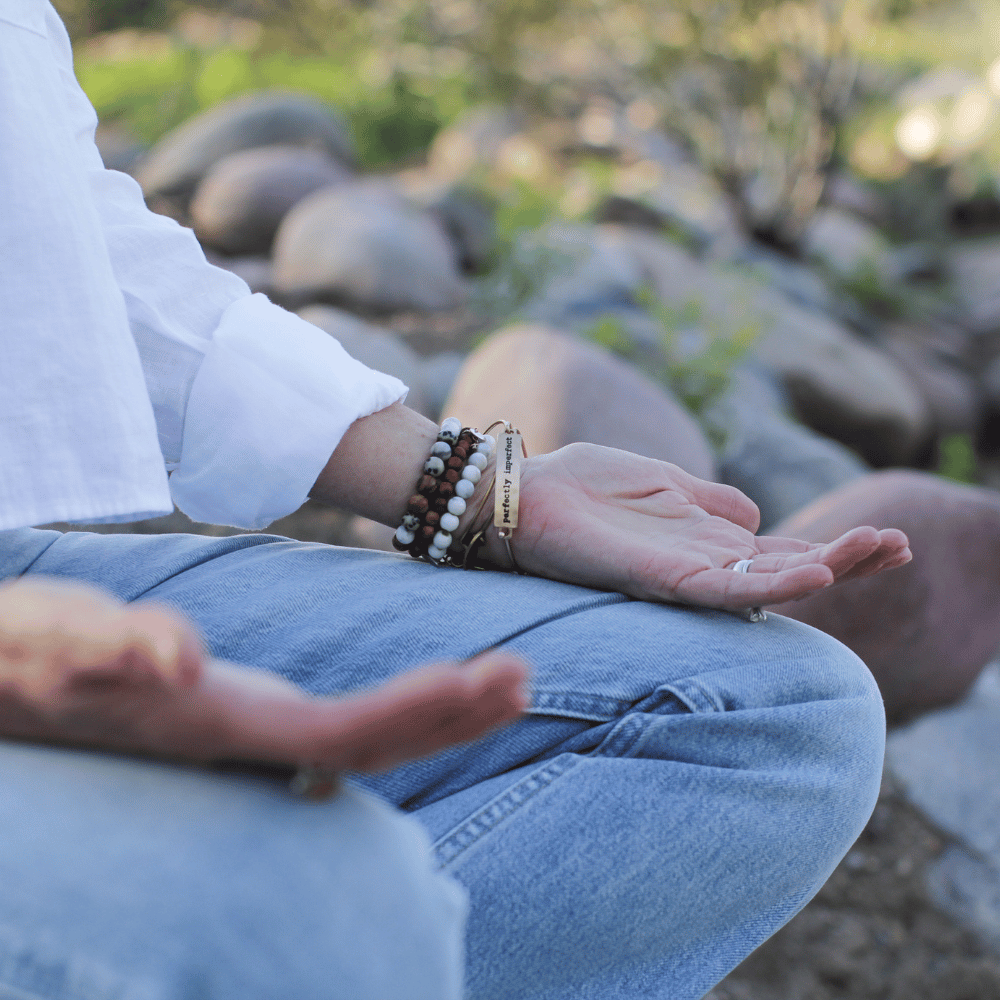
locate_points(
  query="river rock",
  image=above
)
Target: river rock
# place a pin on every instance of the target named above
(242, 199)
(361, 243)
(925, 630)
(938, 360)
(797, 282)
(687, 201)
(845, 244)
(119, 148)
(437, 375)
(582, 275)
(558, 390)
(591, 286)
(377, 348)
(838, 385)
(849, 193)
(257, 272)
(266, 118)
(948, 763)
(475, 141)
(975, 270)
(466, 214)
(776, 461)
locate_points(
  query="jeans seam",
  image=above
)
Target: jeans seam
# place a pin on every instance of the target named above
(254, 540)
(620, 741)
(27, 569)
(579, 705)
(600, 600)
(490, 816)
(694, 695)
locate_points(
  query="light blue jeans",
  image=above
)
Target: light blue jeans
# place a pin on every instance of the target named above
(684, 783)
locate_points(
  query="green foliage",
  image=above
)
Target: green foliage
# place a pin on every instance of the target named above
(697, 356)
(155, 92)
(519, 268)
(609, 333)
(393, 123)
(957, 459)
(85, 17)
(151, 94)
(870, 289)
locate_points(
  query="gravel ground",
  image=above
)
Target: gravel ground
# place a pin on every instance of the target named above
(872, 933)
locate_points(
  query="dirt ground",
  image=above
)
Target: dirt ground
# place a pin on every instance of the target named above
(872, 933)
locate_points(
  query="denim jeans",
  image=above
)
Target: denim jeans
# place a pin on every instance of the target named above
(683, 784)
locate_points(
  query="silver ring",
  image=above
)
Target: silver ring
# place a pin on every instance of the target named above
(753, 614)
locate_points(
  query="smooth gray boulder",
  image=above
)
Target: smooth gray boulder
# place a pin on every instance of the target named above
(559, 390)
(689, 202)
(377, 348)
(582, 276)
(949, 765)
(361, 244)
(839, 385)
(265, 118)
(926, 630)
(975, 273)
(257, 272)
(939, 360)
(437, 375)
(466, 214)
(241, 201)
(847, 245)
(780, 464)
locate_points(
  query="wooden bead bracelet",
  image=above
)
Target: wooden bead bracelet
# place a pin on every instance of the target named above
(450, 475)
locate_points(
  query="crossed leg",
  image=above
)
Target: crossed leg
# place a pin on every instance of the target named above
(684, 783)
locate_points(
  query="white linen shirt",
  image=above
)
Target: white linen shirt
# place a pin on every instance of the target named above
(124, 355)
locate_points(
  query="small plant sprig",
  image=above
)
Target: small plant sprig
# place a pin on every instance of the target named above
(696, 356)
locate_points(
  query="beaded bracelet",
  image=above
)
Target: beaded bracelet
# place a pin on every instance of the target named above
(450, 475)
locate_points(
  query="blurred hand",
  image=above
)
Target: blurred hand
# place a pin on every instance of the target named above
(78, 667)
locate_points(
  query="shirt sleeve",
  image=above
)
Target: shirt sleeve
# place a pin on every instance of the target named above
(250, 400)
(78, 437)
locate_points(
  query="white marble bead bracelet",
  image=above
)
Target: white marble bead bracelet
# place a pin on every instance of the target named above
(409, 534)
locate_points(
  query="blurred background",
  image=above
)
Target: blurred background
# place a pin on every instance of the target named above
(758, 239)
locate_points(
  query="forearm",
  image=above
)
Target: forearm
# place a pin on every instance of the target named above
(375, 468)
(377, 463)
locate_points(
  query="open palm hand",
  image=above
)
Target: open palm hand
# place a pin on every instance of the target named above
(78, 667)
(609, 519)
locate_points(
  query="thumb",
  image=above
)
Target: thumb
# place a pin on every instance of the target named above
(726, 501)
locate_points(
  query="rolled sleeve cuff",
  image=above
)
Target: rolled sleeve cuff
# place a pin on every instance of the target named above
(271, 401)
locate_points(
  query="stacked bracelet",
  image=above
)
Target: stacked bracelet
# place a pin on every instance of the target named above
(450, 475)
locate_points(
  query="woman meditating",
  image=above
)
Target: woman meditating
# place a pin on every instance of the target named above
(676, 782)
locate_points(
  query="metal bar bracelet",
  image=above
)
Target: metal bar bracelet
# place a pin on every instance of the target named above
(507, 499)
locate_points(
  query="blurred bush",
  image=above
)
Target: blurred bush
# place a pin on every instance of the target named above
(768, 96)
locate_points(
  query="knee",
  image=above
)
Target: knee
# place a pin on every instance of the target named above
(836, 727)
(225, 887)
(355, 895)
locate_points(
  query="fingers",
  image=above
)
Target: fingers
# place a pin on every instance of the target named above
(428, 710)
(797, 569)
(722, 588)
(725, 501)
(859, 552)
(56, 635)
(127, 646)
(415, 714)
